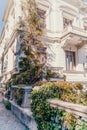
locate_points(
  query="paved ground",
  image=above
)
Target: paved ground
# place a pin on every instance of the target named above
(8, 121)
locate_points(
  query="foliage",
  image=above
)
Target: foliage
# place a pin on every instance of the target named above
(18, 96)
(41, 110)
(50, 74)
(30, 76)
(30, 33)
(83, 98)
(7, 105)
(8, 84)
(30, 26)
(65, 90)
(70, 121)
(83, 126)
(29, 37)
(51, 118)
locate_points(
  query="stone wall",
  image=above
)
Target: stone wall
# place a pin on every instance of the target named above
(24, 115)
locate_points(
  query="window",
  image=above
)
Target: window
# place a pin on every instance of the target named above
(41, 15)
(66, 22)
(70, 61)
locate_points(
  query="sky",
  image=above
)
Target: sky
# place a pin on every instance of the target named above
(2, 8)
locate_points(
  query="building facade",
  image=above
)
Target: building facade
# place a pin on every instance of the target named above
(64, 24)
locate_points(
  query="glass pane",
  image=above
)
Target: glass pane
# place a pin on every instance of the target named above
(70, 60)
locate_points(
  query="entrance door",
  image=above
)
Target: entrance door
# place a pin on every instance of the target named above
(70, 61)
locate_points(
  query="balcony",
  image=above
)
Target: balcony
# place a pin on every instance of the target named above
(76, 76)
(76, 31)
(69, 31)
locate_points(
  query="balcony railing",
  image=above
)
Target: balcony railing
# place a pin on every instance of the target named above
(79, 31)
(69, 30)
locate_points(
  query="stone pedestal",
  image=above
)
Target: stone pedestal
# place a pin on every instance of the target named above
(26, 96)
(26, 100)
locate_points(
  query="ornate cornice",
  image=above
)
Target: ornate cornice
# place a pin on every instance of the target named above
(51, 40)
(80, 4)
(68, 10)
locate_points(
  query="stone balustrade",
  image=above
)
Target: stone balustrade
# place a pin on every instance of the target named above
(77, 110)
(26, 94)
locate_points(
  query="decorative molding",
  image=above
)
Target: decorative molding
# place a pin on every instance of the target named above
(68, 10)
(51, 40)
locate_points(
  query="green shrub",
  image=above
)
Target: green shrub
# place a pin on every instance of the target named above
(83, 125)
(83, 98)
(8, 84)
(7, 105)
(51, 74)
(51, 118)
(62, 90)
(19, 102)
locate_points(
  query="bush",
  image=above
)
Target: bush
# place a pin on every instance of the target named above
(51, 74)
(18, 96)
(51, 118)
(7, 105)
(62, 90)
(83, 98)
(83, 125)
(8, 84)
